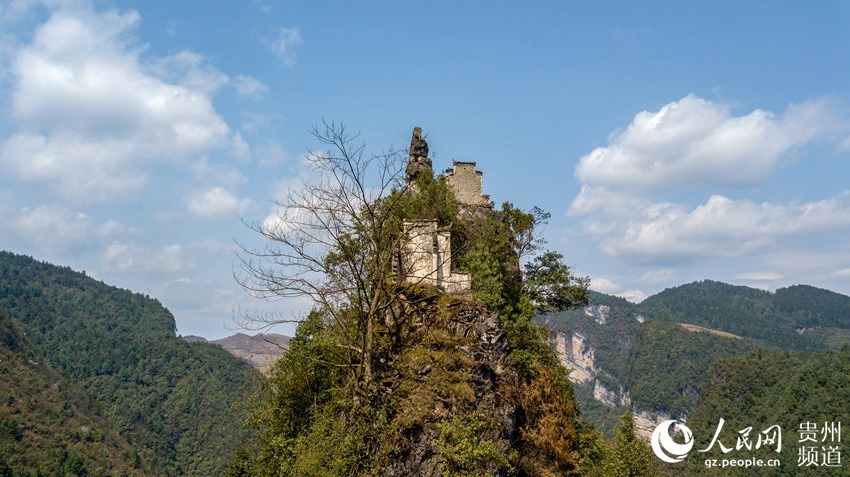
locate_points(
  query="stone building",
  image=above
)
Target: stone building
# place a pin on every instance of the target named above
(468, 184)
(427, 254)
(427, 257)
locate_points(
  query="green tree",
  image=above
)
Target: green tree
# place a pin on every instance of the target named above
(551, 286)
(631, 456)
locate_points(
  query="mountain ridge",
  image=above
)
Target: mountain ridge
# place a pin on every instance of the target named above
(172, 400)
(642, 357)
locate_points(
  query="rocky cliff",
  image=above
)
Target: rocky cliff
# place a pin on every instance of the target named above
(453, 381)
(577, 353)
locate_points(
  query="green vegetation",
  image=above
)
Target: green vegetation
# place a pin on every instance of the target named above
(629, 456)
(764, 389)
(389, 377)
(47, 426)
(663, 366)
(172, 401)
(795, 318)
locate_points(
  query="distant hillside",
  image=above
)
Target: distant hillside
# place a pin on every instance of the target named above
(622, 359)
(800, 317)
(46, 423)
(171, 399)
(261, 350)
(765, 389)
(650, 358)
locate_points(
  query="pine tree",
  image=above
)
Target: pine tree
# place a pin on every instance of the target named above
(631, 456)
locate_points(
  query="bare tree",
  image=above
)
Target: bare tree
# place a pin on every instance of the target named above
(334, 242)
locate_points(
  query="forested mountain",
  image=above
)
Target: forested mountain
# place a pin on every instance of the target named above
(807, 396)
(649, 366)
(643, 359)
(798, 317)
(47, 425)
(171, 400)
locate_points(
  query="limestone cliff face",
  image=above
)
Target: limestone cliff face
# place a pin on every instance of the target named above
(577, 354)
(646, 422)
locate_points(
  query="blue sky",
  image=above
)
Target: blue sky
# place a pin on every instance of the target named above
(671, 141)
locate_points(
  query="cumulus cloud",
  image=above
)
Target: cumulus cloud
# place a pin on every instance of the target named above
(603, 285)
(282, 46)
(722, 227)
(216, 203)
(93, 116)
(697, 144)
(135, 258)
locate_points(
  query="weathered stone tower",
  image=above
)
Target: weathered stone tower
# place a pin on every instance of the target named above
(428, 257)
(468, 184)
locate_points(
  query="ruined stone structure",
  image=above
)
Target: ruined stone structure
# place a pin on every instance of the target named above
(427, 257)
(468, 184)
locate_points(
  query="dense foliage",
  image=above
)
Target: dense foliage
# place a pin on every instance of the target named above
(797, 317)
(171, 400)
(762, 390)
(643, 350)
(460, 385)
(47, 425)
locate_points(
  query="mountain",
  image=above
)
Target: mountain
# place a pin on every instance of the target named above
(652, 357)
(171, 400)
(798, 317)
(261, 350)
(46, 423)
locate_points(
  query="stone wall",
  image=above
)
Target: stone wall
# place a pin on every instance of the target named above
(468, 184)
(427, 257)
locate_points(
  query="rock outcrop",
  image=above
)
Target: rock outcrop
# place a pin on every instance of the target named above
(576, 354)
(419, 161)
(458, 375)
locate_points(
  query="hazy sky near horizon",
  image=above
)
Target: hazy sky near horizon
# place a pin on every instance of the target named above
(671, 141)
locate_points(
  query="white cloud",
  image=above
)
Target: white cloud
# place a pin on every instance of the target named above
(188, 69)
(722, 227)
(53, 229)
(240, 149)
(282, 46)
(660, 275)
(113, 228)
(133, 258)
(695, 144)
(212, 172)
(634, 296)
(272, 154)
(93, 117)
(216, 203)
(250, 87)
(603, 285)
